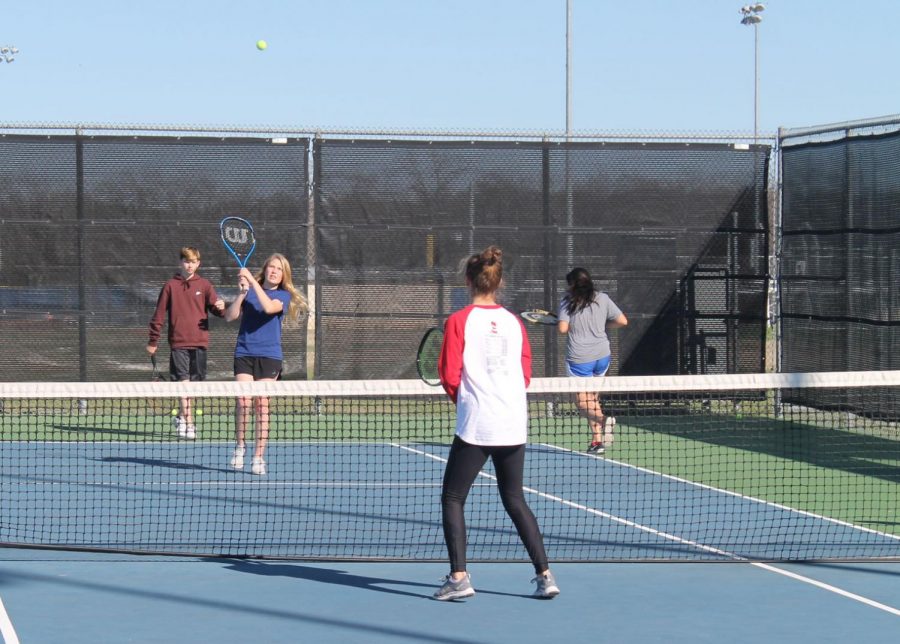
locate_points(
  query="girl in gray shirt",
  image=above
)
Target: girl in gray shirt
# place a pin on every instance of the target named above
(584, 316)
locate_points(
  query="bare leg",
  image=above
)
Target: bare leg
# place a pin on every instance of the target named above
(242, 411)
(589, 407)
(261, 405)
(262, 422)
(186, 411)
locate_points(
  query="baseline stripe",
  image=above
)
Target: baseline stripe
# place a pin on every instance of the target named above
(6, 627)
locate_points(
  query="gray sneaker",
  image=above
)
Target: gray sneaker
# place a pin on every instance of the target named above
(455, 589)
(546, 586)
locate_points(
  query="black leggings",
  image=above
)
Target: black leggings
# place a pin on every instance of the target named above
(463, 465)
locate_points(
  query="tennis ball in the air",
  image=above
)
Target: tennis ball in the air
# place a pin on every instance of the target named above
(261, 44)
(199, 412)
(174, 412)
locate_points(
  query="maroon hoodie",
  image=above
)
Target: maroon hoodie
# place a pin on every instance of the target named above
(187, 303)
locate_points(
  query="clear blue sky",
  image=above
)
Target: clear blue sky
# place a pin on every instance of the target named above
(639, 65)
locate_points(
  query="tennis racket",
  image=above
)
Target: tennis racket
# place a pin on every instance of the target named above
(237, 235)
(157, 406)
(156, 377)
(539, 316)
(427, 357)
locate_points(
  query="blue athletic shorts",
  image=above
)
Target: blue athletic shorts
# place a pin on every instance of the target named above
(588, 369)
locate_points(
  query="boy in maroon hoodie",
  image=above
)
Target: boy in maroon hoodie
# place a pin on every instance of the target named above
(186, 298)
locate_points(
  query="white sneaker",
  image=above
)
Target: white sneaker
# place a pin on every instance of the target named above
(259, 466)
(180, 427)
(609, 424)
(190, 432)
(237, 458)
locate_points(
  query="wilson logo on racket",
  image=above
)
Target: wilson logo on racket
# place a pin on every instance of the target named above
(237, 235)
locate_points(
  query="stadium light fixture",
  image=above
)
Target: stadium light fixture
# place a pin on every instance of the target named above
(752, 18)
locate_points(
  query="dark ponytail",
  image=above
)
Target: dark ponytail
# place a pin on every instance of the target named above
(581, 290)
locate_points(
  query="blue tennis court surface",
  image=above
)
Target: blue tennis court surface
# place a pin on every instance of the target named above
(283, 551)
(381, 500)
(131, 599)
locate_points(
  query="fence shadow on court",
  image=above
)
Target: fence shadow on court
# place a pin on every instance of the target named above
(158, 462)
(341, 578)
(144, 596)
(101, 431)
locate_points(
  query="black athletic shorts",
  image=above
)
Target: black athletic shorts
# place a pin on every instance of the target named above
(259, 368)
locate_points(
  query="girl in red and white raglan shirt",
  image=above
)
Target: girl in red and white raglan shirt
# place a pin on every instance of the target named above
(485, 366)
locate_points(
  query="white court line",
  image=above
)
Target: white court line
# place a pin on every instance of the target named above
(6, 627)
(251, 483)
(682, 541)
(590, 510)
(704, 486)
(192, 443)
(830, 588)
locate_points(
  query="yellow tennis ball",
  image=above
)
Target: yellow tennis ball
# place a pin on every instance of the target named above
(261, 44)
(199, 412)
(174, 412)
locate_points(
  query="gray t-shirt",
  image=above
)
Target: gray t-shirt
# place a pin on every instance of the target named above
(587, 340)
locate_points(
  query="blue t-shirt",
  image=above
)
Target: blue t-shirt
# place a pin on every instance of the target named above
(260, 334)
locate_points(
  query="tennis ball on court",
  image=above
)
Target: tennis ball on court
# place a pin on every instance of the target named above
(261, 45)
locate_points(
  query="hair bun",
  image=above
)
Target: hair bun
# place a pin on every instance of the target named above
(492, 255)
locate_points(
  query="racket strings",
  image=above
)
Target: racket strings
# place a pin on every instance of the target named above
(427, 358)
(539, 316)
(238, 237)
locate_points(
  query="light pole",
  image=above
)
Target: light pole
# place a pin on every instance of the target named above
(570, 206)
(751, 17)
(8, 53)
(568, 68)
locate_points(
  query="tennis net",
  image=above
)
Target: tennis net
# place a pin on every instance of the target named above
(701, 468)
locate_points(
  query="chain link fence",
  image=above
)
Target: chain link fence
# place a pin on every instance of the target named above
(674, 227)
(840, 249)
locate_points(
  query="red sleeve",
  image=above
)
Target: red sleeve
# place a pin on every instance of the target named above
(526, 355)
(211, 297)
(159, 315)
(450, 362)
